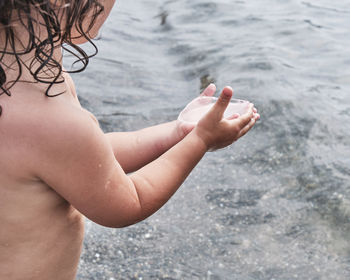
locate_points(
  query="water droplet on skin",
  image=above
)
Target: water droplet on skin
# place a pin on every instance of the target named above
(107, 184)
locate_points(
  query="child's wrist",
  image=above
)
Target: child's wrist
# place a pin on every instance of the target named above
(201, 140)
(179, 131)
(174, 135)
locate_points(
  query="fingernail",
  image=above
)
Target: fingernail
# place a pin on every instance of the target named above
(212, 86)
(226, 93)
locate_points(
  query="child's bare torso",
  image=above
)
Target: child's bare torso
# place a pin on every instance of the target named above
(40, 233)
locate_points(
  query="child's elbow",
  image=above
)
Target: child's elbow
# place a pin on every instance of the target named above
(117, 223)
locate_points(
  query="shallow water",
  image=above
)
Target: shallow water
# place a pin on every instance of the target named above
(275, 205)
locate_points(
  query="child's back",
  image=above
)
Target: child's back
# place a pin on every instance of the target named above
(41, 233)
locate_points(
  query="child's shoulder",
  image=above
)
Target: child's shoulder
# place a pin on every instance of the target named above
(33, 124)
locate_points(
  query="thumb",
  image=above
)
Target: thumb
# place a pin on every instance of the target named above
(222, 103)
(209, 91)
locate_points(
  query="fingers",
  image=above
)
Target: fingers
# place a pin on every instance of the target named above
(237, 115)
(248, 120)
(209, 91)
(234, 116)
(256, 114)
(245, 129)
(245, 119)
(217, 111)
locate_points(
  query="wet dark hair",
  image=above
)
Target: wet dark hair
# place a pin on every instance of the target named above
(58, 18)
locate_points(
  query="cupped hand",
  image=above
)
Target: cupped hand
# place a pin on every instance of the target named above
(217, 132)
(185, 128)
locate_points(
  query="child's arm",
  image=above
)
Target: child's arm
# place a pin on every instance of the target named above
(77, 161)
(134, 150)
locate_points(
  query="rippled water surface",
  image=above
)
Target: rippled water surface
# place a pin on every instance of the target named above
(275, 205)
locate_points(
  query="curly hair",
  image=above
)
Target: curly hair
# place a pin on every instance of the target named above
(61, 20)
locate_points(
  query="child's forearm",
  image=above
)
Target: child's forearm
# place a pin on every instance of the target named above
(158, 181)
(134, 150)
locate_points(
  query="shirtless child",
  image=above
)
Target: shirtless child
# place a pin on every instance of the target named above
(57, 165)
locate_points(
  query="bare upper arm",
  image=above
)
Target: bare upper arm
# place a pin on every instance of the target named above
(74, 157)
